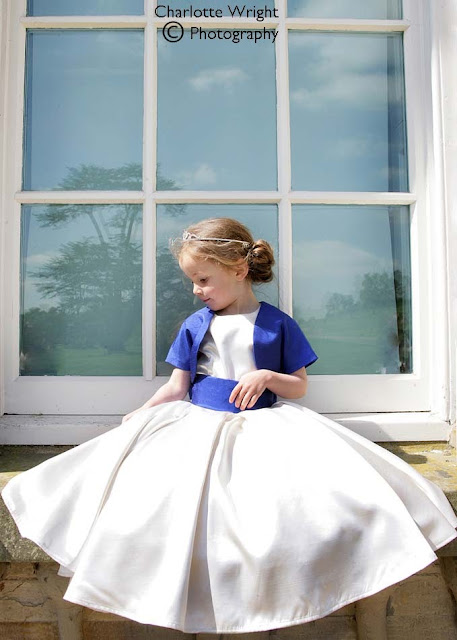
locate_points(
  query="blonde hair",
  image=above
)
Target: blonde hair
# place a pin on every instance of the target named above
(227, 241)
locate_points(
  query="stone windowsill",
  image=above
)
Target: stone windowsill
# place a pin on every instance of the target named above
(435, 460)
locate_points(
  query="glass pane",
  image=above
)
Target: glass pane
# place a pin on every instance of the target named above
(84, 7)
(347, 109)
(216, 9)
(363, 9)
(216, 113)
(352, 287)
(175, 300)
(84, 109)
(81, 282)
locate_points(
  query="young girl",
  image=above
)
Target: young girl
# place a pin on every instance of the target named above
(235, 512)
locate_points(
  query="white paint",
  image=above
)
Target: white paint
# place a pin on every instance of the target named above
(444, 13)
(3, 165)
(149, 208)
(71, 429)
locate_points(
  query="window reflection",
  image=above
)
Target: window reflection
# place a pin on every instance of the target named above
(83, 109)
(352, 286)
(362, 9)
(81, 287)
(84, 7)
(217, 113)
(347, 108)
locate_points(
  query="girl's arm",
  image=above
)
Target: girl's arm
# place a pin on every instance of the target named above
(175, 389)
(252, 385)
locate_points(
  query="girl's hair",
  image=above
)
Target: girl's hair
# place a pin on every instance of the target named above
(226, 241)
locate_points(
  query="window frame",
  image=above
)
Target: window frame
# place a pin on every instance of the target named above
(417, 404)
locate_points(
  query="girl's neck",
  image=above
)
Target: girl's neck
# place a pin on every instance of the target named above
(243, 304)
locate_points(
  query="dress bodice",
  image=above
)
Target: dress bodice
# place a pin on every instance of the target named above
(227, 350)
(237, 344)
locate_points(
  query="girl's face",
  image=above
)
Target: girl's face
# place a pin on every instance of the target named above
(220, 288)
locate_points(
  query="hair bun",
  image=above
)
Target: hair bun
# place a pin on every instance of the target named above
(261, 260)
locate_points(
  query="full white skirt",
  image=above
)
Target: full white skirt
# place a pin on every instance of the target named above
(209, 521)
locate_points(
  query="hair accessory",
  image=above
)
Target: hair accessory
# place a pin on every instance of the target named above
(186, 236)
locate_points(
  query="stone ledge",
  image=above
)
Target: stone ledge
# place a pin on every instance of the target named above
(435, 460)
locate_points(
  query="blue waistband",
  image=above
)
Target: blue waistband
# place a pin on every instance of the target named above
(214, 393)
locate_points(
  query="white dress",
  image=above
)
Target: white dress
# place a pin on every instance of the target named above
(211, 521)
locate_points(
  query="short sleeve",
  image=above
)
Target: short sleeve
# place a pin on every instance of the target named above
(297, 351)
(179, 353)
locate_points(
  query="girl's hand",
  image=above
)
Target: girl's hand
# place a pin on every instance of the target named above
(175, 389)
(129, 415)
(249, 389)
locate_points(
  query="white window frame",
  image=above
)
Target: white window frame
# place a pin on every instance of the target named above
(444, 92)
(391, 406)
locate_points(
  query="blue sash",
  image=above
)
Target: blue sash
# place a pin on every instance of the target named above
(214, 393)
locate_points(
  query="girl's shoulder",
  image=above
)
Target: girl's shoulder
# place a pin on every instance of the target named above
(274, 314)
(197, 318)
(281, 334)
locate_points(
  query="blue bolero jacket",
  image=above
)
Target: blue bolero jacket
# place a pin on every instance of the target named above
(279, 345)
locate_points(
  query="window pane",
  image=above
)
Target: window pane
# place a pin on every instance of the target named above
(81, 281)
(216, 113)
(84, 7)
(175, 300)
(219, 8)
(352, 287)
(368, 9)
(84, 109)
(347, 107)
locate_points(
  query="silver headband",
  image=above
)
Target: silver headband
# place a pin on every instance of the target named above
(186, 236)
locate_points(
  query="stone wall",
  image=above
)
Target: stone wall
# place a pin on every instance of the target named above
(422, 607)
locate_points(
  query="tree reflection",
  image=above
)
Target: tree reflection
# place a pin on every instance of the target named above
(175, 302)
(368, 332)
(94, 327)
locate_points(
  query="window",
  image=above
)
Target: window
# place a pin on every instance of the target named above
(303, 122)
